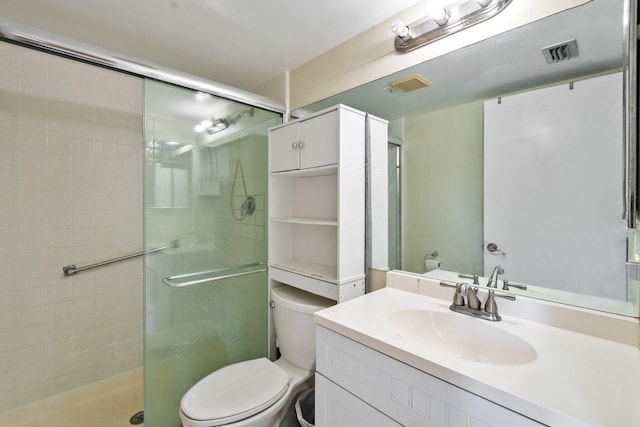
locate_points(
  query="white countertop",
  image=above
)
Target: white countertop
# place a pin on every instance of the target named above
(576, 379)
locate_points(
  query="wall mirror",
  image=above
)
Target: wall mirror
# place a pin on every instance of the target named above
(511, 160)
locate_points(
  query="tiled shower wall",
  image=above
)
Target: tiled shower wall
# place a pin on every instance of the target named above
(70, 193)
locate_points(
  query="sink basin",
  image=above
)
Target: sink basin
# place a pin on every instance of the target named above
(462, 336)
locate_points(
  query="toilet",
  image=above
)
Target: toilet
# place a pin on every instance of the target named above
(259, 392)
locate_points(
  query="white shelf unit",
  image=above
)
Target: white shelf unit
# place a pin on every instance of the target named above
(316, 203)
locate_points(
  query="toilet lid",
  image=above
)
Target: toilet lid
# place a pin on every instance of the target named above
(235, 392)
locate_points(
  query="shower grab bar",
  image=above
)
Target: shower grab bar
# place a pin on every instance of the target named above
(72, 269)
(174, 281)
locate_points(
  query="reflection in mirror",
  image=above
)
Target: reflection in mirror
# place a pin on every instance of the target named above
(505, 148)
(168, 173)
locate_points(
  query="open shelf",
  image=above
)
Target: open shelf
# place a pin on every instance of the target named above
(307, 221)
(306, 268)
(317, 171)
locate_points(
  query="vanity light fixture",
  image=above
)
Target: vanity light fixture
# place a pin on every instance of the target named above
(444, 18)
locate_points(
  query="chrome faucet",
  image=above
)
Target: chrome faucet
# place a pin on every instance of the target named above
(466, 301)
(493, 279)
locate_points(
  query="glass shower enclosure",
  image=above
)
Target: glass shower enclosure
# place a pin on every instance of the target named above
(206, 299)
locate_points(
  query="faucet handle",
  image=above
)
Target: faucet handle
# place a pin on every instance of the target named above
(472, 298)
(490, 305)
(460, 293)
(470, 276)
(506, 284)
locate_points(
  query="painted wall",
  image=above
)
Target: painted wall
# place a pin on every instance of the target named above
(70, 193)
(442, 192)
(371, 55)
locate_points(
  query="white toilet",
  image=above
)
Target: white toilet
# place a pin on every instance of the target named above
(258, 392)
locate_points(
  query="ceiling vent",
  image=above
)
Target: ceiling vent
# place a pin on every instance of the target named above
(560, 52)
(410, 83)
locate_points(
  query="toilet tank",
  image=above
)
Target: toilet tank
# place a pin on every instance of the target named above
(293, 318)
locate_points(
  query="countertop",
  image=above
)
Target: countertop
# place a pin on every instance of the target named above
(576, 379)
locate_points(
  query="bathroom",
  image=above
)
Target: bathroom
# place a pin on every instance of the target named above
(105, 226)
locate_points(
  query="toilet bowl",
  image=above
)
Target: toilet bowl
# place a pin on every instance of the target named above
(259, 392)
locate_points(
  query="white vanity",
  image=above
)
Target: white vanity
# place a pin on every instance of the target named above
(399, 356)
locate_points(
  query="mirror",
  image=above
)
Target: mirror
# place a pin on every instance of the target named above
(448, 135)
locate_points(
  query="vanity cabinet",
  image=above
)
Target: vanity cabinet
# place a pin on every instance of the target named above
(356, 385)
(317, 203)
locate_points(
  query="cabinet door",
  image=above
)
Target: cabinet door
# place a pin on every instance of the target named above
(320, 137)
(283, 148)
(335, 407)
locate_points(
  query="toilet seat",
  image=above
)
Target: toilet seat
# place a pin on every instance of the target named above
(235, 392)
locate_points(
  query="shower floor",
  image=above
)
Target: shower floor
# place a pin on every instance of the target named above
(107, 403)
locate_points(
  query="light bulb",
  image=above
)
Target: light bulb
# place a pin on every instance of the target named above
(400, 29)
(199, 128)
(438, 14)
(206, 123)
(484, 3)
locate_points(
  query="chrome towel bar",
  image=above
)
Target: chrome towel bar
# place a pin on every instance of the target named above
(72, 269)
(235, 271)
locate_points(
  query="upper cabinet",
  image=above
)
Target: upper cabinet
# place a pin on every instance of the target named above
(317, 202)
(307, 143)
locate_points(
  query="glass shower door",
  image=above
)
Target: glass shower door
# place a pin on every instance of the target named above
(206, 297)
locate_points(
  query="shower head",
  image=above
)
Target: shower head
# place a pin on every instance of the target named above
(217, 125)
(214, 125)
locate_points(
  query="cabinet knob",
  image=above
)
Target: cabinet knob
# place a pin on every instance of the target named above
(294, 145)
(300, 144)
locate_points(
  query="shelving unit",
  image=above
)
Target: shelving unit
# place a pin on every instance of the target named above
(317, 203)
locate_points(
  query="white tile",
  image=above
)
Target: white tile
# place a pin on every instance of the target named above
(84, 376)
(60, 238)
(61, 383)
(33, 373)
(34, 335)
(59, 312)
(63, 345)
(34, 297)
(35, 316)
(34, 391)
(9, 360)
(83, 167)
(59, 164)
(59, 145)
(33, 354)
(10, 340)
(10, 320)
(105, 150)
(33, 74)
(60, 115)
(59, 182)
(83, 147)
(9, 381)
(83, 236)
(9, 219)
(10, 300)
(61, 292)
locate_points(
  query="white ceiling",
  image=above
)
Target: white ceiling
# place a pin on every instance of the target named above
(241, 43)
